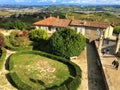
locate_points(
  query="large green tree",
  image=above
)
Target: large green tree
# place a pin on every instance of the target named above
(67, 43)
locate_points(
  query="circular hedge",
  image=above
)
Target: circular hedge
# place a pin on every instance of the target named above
(28, 75)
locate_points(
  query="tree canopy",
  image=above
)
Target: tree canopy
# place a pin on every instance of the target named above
(67, 43)
(38, 34)
(16, 25)
(117, 30)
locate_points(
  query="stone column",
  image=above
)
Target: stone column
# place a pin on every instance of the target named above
(117, 44)
(100, 42)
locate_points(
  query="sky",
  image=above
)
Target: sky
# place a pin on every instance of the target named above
(46, 2)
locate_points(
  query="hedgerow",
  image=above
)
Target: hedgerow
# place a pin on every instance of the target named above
(72, 83)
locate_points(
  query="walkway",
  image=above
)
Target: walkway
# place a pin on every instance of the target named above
(4, 83)
(81, 61)
(92, 78)
(112, 76)
(95, 77)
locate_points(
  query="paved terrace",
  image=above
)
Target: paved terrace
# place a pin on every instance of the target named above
(112, 76)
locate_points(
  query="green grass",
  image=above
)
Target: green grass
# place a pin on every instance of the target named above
(99, 17)
(39, 71)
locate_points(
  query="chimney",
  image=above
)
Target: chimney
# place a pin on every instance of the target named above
(57, 17)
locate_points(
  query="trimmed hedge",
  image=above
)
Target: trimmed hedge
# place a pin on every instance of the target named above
(11, 47)
(19, 83)
(2, 58)
(71, 83)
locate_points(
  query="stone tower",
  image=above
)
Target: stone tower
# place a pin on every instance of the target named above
(117, 44)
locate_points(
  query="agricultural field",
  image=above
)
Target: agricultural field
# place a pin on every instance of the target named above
(5, 13)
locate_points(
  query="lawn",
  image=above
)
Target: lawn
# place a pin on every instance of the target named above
(38, 71)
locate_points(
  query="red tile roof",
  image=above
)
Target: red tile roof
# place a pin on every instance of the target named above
(56, 22)
(52, 21)
(46, 22)
(89, 24)
(61, 23)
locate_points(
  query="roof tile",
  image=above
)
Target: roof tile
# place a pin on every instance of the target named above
(56, 22)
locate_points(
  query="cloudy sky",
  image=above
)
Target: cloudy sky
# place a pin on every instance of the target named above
(40, 2)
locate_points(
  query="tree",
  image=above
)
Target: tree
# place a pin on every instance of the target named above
(2, 42)
(38, 35)
(66, 43)
(116, 30)
(15, 25)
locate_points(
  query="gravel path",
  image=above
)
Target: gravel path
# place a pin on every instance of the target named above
(4, 83)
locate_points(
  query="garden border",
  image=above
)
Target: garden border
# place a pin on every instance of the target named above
(73, 82)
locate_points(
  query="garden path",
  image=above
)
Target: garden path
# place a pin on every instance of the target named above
(4, 83)
(81, 61)
(92, 78)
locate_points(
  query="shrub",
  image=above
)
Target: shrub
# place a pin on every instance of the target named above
(17, 39)
(11, 47)
(2, 42)
(19, 83)
(116, 30)
(66, 43)
(38, 34)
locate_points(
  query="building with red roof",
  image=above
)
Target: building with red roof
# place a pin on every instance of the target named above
(91, 30)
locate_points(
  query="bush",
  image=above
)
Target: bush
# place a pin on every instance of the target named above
(2, 43)
(11, 47)
(71, 83)
(116, 30)
(19, 39)
(38, 34)
(2, 57)
(19, 83)
(66, 43)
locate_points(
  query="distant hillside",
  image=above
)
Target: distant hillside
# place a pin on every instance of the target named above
(99, 16)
